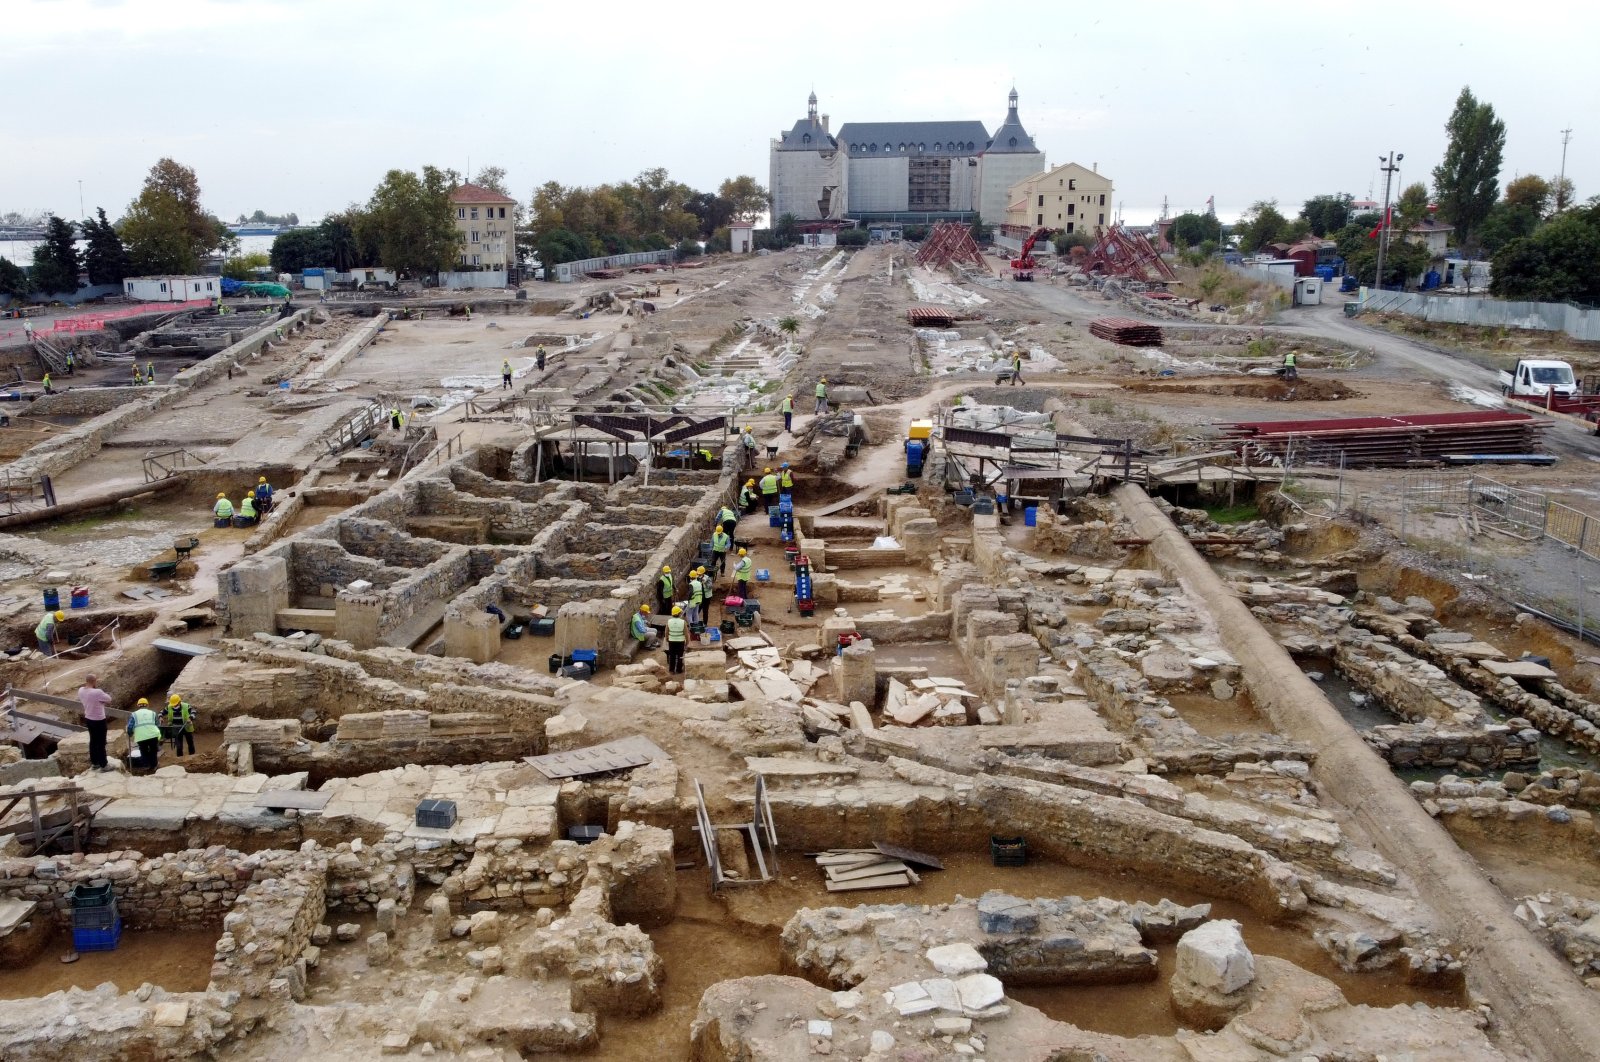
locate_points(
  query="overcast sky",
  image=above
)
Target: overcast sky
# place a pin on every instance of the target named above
(291, 105)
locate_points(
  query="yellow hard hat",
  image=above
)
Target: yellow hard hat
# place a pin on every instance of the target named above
(221, 495)
(174, 699)
(677, 610)
(262, 479)
(142, 703)
(824, 379)
(741, 551)
(749, 482)
(60, 616)
(667, 568)
(644, 608)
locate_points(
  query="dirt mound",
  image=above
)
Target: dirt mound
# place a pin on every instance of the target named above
(1268, 388)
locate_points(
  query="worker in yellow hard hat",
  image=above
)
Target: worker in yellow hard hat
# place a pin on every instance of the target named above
(786, 407)
(48, 631)
(748, 496)
(664, 587)
(677, 640)
(223, 511)
(747, 440)
(641, 630)
(742, 571)
(769, 488)
(822, 395)
(178, 722)
(145, 731)
(263, 496)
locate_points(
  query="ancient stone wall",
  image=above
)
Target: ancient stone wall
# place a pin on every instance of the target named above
(84, 401)
(267, 932)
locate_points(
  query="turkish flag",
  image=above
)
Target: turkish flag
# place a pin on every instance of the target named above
(1373, 235)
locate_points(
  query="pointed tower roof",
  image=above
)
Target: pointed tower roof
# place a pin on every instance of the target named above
(1011, 138)
(808, 133)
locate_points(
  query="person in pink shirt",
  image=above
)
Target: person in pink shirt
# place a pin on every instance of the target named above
(95, 701)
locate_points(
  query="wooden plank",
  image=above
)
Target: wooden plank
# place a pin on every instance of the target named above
(909, 855)
(883, 881)
(172, 645)
(873, 870)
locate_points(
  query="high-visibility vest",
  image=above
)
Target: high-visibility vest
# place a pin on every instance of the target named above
(720, 541)
(677, 629)
(769, 484)
(247, 506)
(749, 441)
(787, 407)
(786, 480)
(727, 516)
(505, 368)
(696, 592)
(179, 713)
(1016, 361)
(46, 627)
(223, 509)
(742, 572)
(746, 495)
(666, 584)
(641, 627)
(1288, 359)
(143, 726)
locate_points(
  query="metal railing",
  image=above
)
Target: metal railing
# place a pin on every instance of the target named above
(165, 464)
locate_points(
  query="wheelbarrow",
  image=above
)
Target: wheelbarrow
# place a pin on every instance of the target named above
(772, 450)
(163, 569)
(183, 546)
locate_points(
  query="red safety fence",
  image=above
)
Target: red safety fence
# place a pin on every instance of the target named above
(93, 322)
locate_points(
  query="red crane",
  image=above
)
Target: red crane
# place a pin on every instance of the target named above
(1022, 267)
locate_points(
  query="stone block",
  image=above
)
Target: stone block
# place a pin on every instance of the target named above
(486, 927)
(709, 665)
(378, 950)
(1002, 913)
(953, 960)
(1214, 957)
(474, 635)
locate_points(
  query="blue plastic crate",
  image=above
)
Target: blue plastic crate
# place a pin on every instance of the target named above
(97, 939)
(585, 656)
(763, 575)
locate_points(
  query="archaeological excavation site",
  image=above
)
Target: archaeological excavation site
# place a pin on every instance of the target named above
(817, 653)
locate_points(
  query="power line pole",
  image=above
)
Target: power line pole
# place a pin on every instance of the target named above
(1561, 183)
(1390, 167)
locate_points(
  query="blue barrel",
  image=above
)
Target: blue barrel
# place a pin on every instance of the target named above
(80, 597)
(1030, 516)
(52, 599)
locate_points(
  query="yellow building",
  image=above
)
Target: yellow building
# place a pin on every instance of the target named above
(1069, 197)
(486, 222)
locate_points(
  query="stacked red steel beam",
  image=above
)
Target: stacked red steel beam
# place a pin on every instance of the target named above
(931, 317)
(1402, 439)
(1127, 331)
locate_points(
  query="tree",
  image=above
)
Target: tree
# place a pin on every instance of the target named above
(1295, 230)
(561, 245)
(13, 281)
(1327, 213)
(1187, 230)
(1561, 193)
(746, 199)
(1260, 225)
(1411, 207)
(1531, 191)
(854, 238)
(243, 267)
(1467, 180)
(1560, 262)
(1507, 222)
(981, 233)
(787, 230)
(55, 261)
(165, 229)
(687, 249)
(1065, 242)
(712, 211)
(301, 249)
(410, 220)
(1404, 261)
(105, 259)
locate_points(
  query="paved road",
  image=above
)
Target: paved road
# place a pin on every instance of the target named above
(1395, 356)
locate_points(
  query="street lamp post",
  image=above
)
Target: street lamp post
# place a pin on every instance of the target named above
(1390, 167)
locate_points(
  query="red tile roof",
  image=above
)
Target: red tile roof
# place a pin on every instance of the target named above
(473, 193)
